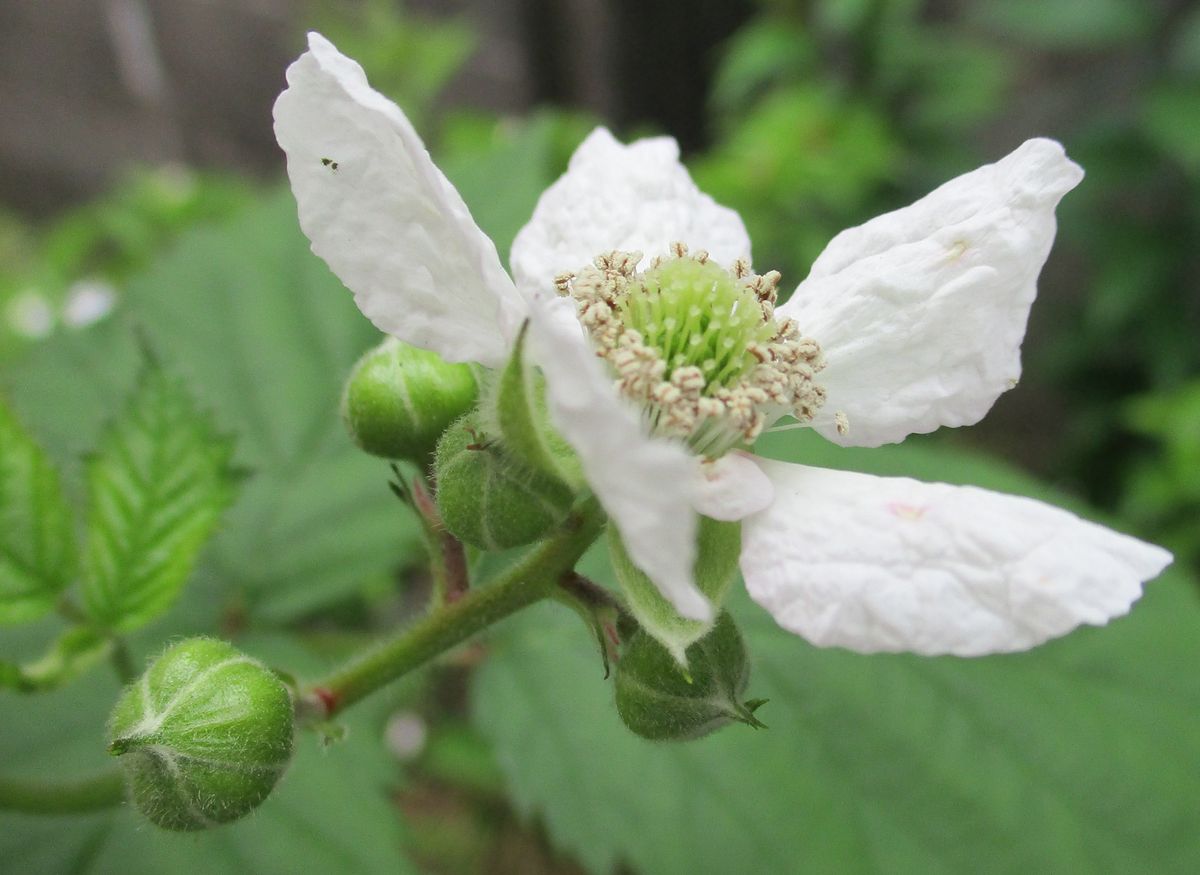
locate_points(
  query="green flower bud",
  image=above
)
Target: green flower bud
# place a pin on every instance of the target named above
(489, 499)
(203, 735)
(658, 700)
(399, 399)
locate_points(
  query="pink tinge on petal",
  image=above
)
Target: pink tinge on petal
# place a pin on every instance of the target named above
(892, 564)
(731, 488)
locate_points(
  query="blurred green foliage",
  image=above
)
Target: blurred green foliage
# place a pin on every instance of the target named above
(408, 57)
(1162, 487)
(102, 243)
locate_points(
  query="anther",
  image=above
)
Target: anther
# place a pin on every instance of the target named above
(698, 347)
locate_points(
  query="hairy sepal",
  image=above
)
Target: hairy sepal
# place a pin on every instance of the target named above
(515, 410)
(718, 547)
(490, 499)
(658, 700)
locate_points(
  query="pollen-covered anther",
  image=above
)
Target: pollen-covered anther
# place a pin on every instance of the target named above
(616, 262)
(698, 347)
(562, 282)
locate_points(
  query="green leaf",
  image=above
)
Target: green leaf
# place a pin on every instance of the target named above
(1069, 758)
(1068, 24)
(1171, 118)
(265, 337)
(759, 55)
(156, 490)
(330, 812)
(72, 654)
(501, 168)
(37, 544)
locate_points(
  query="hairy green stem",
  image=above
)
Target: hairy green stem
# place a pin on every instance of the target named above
(446, 556)
(531, 579)
(80, 796)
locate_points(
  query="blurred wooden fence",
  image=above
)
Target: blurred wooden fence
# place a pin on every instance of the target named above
(90, 86)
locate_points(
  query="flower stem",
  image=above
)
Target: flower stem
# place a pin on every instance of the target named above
(531, 579)
(104, 790)
(446, 554)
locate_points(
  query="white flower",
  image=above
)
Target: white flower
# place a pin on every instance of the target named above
(920, 314)
(88, 301)
(30, 314)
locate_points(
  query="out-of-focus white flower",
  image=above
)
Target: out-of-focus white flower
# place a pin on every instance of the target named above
(88, 301)
(918, 315)
(30, 314)
(406, 734)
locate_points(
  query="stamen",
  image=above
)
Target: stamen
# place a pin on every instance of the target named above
(698, 347)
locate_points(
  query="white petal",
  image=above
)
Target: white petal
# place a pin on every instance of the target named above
(731, 488)
(385, 219)
(636, 197)
(645, 484)
(921, 312)
(890, 564)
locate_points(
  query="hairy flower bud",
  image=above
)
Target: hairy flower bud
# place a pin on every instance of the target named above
(488, 498)
(203, 735)
(399, 399)
(658, 700)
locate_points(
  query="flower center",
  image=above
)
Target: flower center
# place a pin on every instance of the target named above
(697, 346)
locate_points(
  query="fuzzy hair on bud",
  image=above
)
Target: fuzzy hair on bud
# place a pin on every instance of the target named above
(203, 735)
(399, 399)
(660, 701)
(487, 497)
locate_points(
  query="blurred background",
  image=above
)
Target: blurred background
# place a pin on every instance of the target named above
(134, 130)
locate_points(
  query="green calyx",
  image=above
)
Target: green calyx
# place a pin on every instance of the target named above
(695, 313)
(400, 398)
(718, 549)
(514, 409)
(658, 700)
(488, 497)
(203, 735)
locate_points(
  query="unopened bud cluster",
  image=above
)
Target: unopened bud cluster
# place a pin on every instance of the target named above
(696, 346)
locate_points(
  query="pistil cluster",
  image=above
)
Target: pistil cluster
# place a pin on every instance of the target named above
(698, 347)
